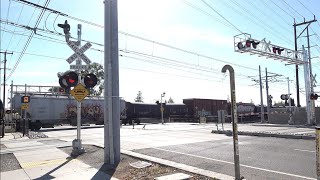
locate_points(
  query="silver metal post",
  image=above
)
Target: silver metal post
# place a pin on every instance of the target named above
(111, 84)
(290, 114)
(234, 120)
(307, 86)
(267, 91)
(261, 98)
(76, 144)
(78, 61)
(11, 100)
(161, 108)
(25, 111)
(313, 116)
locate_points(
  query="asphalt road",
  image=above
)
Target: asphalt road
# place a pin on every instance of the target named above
(260, 157)
(195, 145)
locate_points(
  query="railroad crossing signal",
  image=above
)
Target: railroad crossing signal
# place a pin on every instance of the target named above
(25, 99)
(90, 80)
(314, 96)
(68, 80)
(65, 27)
(78, 52)
(284, 96)
(314, 81)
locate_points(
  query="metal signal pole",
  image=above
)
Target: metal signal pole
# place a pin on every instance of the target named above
(261, 97)
(267, 91)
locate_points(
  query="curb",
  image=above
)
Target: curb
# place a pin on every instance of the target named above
(263, 134)
(285, 125)
(183, 167)
(69, 128)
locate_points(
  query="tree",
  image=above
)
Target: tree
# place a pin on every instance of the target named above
(170, 100)
(139, 97)
(54, 89)
(278, 103)
(96, 69)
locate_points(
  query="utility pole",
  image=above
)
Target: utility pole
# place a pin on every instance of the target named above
(261, 97)
(307, 86)
(111, 85)
(4, 78)
(296, 49)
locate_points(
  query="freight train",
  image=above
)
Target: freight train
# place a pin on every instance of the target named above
(49, 110)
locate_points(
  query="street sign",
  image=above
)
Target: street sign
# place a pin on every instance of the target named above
(78, 66)
(78, 52)
(25, 106)
(79, 92)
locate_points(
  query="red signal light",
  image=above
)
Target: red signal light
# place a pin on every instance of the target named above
(248, 43)
(90, 80)
(254, 44)
(314, 96)
(72, 79)
(274, 50)
(280, 50)
(68, 80)
(240, 45)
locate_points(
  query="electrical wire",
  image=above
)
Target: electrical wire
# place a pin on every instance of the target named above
(28, 41)
(221, 15)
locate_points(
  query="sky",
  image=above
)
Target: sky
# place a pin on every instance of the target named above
(174, 46)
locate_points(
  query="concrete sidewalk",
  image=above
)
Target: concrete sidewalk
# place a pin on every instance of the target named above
(269, 130)
(47, 162)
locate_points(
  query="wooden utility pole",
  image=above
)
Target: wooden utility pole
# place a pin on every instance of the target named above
(296, 49)
(4, 77)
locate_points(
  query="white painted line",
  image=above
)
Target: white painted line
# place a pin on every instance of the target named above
(243, 165)
(305, 132)
(303, 150)
(179, 166)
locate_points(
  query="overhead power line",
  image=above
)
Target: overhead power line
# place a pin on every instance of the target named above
(221, 15)
(28, 41)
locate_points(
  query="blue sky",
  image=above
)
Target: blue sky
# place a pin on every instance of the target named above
(151, 68)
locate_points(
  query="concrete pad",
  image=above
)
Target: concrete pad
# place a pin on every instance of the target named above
(40, 155)
(15, 174)
(176, 176)
(19, 144)
(140, 164)
(90, 173)
(56, 169)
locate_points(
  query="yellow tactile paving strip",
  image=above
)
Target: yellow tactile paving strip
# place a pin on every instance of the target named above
(29, 165)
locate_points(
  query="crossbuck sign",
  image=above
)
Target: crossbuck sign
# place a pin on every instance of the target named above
(78, 52)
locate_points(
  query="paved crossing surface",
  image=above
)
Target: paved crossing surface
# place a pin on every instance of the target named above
(191, 145)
